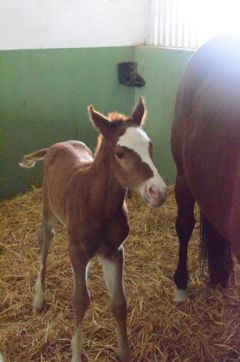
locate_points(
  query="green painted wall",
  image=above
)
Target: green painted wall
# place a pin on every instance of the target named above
(43, 99)
(44, 95)
(162, 70)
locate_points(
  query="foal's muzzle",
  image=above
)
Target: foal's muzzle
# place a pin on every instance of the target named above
(154, 192)
(156, 196)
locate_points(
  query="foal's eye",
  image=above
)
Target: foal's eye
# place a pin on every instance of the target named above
(120, 154)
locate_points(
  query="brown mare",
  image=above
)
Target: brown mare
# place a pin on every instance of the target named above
(206, 149)
(87, 196)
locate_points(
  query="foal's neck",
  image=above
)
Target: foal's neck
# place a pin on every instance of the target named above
(111, 193)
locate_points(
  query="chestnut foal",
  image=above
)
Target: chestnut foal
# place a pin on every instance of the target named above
(87, 196)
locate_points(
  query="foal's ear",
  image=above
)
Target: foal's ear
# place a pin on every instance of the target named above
(100, 121)
(139, 113)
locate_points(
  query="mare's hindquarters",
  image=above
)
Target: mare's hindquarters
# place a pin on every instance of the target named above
(206, 149)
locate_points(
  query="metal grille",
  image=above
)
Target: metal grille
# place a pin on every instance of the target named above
(189, 23)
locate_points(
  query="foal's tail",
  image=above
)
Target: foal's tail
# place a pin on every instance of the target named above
(217, 251)
(29, 160)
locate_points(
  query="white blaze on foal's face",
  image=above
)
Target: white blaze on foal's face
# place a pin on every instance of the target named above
(152, 189)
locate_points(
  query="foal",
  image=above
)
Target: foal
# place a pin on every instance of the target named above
(87, 196)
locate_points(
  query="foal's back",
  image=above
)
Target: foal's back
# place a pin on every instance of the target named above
(62, 157)
(63, 163)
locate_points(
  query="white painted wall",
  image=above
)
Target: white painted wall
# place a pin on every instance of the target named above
(33, 24)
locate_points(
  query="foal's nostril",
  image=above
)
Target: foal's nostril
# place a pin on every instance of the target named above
(154, 191)
(157, 194)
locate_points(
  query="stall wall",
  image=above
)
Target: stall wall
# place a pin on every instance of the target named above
(44, 97)
(41, 24)
(59, 56)
(162, 70)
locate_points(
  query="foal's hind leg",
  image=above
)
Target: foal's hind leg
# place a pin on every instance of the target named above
(113, 273)
(184, 226)
(45, 240)
(79, 260)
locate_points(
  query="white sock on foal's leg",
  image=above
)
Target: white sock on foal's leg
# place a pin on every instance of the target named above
(76, 344)
(38, 300)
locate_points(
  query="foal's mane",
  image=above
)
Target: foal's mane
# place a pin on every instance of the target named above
(115, 117)
(112, 117)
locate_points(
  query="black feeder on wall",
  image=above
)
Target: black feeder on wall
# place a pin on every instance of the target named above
(128, 75)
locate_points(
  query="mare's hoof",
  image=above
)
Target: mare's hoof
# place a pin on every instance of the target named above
(215, 284)
(180, 295)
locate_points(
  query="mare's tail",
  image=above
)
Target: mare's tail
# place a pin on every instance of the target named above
(217, 251)
(29, 160)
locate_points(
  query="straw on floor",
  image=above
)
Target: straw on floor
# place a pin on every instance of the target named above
(206, 328)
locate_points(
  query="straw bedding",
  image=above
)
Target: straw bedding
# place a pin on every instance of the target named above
(206, 328)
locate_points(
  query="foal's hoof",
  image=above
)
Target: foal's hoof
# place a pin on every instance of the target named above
(180, 295)
(124, 356)
(38, 303)
(76, 359)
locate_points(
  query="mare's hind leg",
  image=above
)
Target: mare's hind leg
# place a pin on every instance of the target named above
(218, 252)
(45, 240)
(113, 273)
(184, 226)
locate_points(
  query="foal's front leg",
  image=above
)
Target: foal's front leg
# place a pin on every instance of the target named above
(79, 262)
(113, 273)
